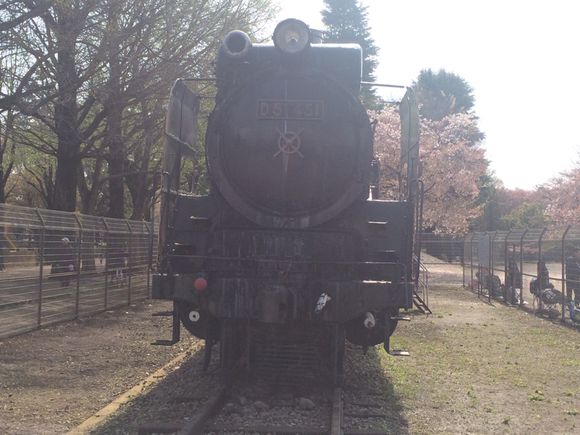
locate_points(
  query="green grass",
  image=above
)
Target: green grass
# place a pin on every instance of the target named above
(478, 367)
(536, 396)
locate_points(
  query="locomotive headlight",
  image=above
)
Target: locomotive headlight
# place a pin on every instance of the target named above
(291, 36)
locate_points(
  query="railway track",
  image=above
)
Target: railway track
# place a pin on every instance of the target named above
(203, 421)
(190, 401)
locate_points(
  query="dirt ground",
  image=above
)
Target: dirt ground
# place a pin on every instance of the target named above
(53, 379)
(474, 368)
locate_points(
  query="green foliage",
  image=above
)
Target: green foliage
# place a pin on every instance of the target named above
(442, 93)
(527, 215)
(490, 219)
(346, 21)
(536, 396)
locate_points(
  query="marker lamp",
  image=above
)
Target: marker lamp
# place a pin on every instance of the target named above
(291, 36)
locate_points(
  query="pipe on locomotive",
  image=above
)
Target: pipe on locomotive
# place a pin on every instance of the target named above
(236, 44)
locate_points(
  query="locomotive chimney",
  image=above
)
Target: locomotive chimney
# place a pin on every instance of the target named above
(236, 44)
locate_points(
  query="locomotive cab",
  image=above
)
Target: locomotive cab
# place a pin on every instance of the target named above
(287, 243)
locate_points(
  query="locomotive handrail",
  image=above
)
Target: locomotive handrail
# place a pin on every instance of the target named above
(279, 259)
(190, 151)
(383, 85)
(217, 262)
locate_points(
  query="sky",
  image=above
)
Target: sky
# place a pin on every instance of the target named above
(522, 58)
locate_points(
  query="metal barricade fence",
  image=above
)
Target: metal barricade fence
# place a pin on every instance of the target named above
(442, 255)
(56, 266)
(535, 268)
(441, 247)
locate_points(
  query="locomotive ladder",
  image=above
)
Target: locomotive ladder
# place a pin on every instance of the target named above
(423, 288)
(420, 304)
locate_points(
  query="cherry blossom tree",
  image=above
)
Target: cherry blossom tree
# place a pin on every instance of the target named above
(562, 195)
(452, 163)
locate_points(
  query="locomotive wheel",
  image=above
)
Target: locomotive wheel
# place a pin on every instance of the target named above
(194, 320)
(356, 332)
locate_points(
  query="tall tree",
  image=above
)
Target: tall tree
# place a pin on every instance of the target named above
(527, 215)
(87, 69)
(63, 55)
(441, 94)
(489, 220)
(347, 21)
(562, 194)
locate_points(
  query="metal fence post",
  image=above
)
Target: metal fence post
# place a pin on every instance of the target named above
(540, 244)
(471, 260)
(564, 272)
(151, 247)
(491, 266)
(505, 266)
(479, 274)
(130, 261)
(41, 260)
(78, 264)
(149, 257)
(107, 257)
(463, 257)
(522, 266)
(538, 271)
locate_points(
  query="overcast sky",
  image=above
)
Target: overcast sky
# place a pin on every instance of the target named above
(522, 59)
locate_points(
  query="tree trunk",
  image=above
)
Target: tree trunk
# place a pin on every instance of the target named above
(90, 194)
(139, 184)
(65, 117)
(114, 134)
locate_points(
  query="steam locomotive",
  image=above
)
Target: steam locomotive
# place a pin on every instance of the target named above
(287, 256)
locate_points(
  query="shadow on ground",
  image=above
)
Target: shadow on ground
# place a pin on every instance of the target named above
(371, 403)
(168, 402)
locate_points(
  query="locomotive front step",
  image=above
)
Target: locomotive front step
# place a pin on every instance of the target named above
(402, 318)
(163, 314)
(175, 330)
(393, 352)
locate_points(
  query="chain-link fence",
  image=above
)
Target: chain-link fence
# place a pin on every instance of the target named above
(534, 268)
(57, 266)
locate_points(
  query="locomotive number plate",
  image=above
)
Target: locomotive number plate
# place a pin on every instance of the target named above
(290, 109)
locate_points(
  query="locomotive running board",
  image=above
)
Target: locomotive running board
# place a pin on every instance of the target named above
(394, 352)
(175, 329)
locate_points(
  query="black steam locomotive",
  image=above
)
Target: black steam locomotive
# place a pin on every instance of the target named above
(287, 256)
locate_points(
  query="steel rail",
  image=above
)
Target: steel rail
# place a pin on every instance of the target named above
(197, 421)
(337, 420)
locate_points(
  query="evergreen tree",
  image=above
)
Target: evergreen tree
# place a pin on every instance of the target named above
(346, 21)
(442, 93)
